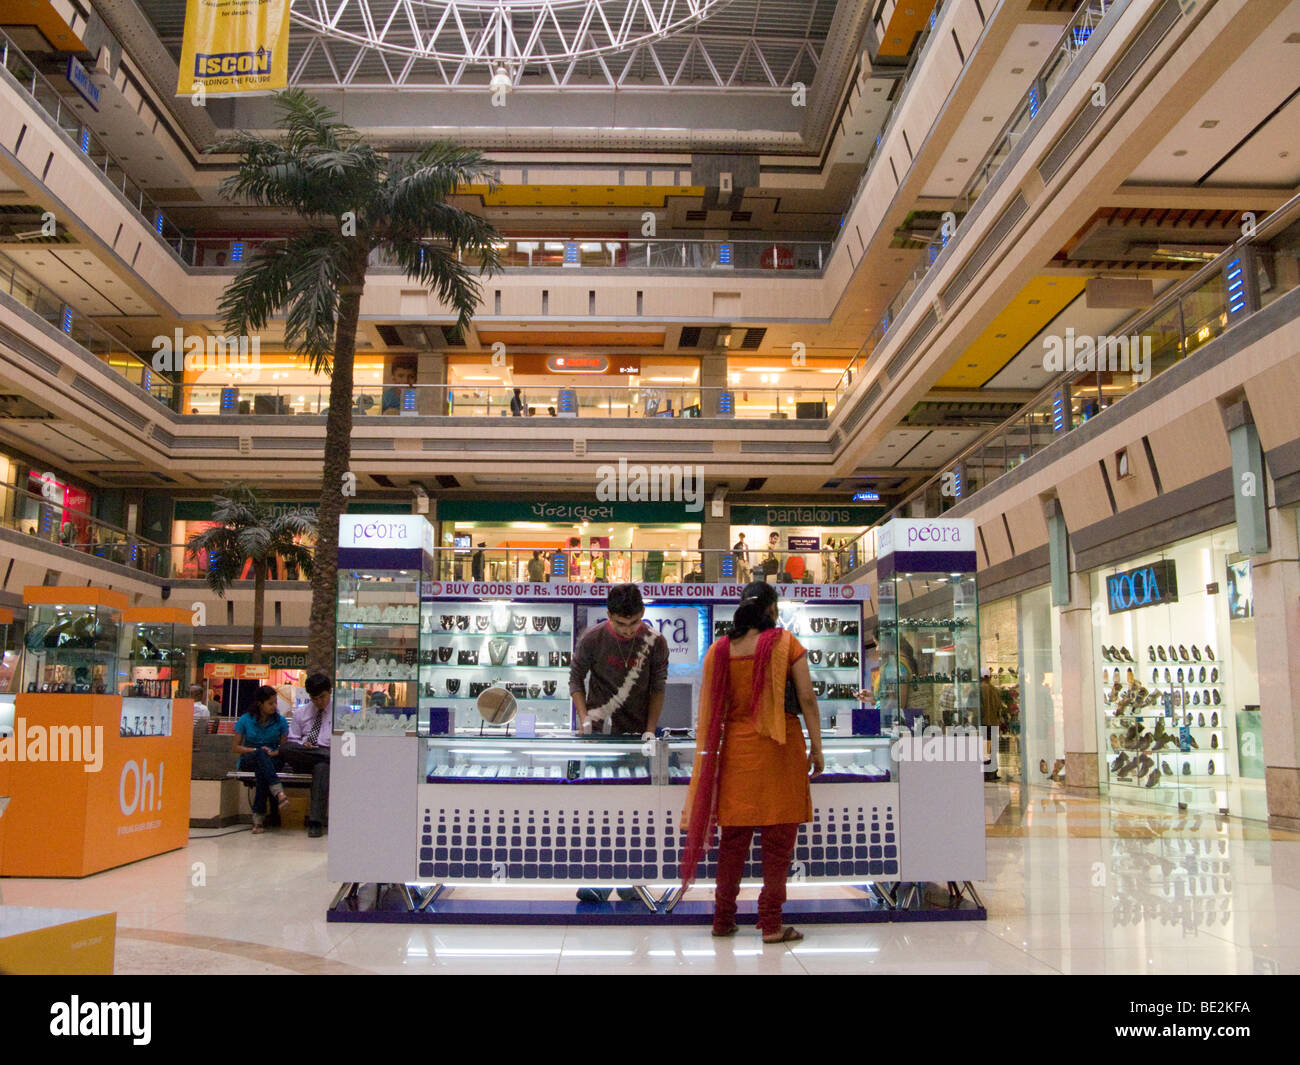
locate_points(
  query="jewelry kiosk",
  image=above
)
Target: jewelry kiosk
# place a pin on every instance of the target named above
(468, 822)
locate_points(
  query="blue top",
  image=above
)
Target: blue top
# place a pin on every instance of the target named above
(257, 735)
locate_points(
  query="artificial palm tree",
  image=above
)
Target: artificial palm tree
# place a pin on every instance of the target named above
(353, 200)
(246, 530)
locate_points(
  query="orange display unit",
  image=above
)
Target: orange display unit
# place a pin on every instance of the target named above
(93, 781)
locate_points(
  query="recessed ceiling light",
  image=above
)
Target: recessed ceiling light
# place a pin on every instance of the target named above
(1209, 123)
(1181, 152)
(963, 159)
(1033, 44)
(999, 336)
(987, 118)
(1017, 70)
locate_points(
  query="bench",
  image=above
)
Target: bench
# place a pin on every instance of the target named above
(290, 780)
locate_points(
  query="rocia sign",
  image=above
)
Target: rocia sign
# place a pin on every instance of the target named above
(1145, 586)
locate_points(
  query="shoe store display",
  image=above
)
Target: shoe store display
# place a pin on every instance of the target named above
(1217, 700)
(1196, 698)
(1196, 654)
(1214, 741)
(1173, 653)
(1161, 652)
(1151, 653)
(1127, 657)
(1164, 768)
(1214, 675)
(1211, 767)
(1201, 676)
(1153, 779)
(1180, 676)
(1187, 769)
(1182, 653)
(1209, 653)
(1214, 719)
(1200, 720)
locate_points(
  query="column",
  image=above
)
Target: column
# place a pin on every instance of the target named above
(1078, 685)
(716, 536)
(431, 369)
(713, 378)
(1275, 583)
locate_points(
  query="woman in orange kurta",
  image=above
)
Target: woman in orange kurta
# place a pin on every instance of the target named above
(751, 766)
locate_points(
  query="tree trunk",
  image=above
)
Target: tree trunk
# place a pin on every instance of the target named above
(338, 458)
(259, 605)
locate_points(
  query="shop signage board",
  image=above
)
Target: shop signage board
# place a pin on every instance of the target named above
(794, 514)
(926, 545)
(1149, 585)
(385, 541)
(565, 513)
(560, 590)
(803, 543)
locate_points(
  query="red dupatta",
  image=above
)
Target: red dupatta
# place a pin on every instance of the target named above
(702, 799)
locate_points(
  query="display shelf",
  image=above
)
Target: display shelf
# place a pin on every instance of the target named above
(73, 640)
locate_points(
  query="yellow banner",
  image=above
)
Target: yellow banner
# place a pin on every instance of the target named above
(234, 46)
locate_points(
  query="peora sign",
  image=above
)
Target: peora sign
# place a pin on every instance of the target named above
(926, 545)
(382, 532)
(1147, 585)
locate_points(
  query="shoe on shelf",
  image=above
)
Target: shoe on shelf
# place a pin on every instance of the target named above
(1127, 657)
(1161, 652)
(1151, 653)
(1217, 700)
(1201, 677)
(1182, 653)
(1214, 675)
(1214, 718)
(1196, 654)
(1200, 720)
(1209, 652)
(1115, 766)
(1214, 741)
(1042, 762)
(1164, 768)
(1196, 698)
(1173, 653)
(1180, 675)
(1187, 769)
(1153, 779)
(1211, 767)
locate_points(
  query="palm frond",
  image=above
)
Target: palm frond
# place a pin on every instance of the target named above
(436, 267)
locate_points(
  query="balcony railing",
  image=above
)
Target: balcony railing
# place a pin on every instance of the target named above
(1082, 25)
(54, 104)
(23, 511)
(460, 401)
(32, 294)
(1247, 277)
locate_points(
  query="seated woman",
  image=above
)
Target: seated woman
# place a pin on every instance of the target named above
(258, 735)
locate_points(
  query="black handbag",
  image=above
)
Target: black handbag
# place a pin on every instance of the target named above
(791, 698)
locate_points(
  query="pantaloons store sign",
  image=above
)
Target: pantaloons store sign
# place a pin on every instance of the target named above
(1148, 585)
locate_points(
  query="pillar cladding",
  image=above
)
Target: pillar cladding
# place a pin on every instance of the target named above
(1078, 685)
(1275, 584)
(713, 379)
(431, 369)
(715, 535)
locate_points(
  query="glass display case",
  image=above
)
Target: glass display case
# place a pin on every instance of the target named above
(929, 650)
(147, 716)
(71, 647)
(378, 644)
(467, 647)
(851, 760)
(156, 653)
(589, 760)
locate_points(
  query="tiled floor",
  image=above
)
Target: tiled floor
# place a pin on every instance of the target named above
(1075, 885)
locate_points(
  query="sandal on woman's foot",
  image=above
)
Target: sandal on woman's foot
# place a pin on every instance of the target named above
(722, 933)
(258, 829)
(788, 934)
(282, 799)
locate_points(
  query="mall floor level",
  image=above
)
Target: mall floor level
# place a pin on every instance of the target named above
(1076, 885)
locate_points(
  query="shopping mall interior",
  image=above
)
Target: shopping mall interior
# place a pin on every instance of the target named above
(970, 326)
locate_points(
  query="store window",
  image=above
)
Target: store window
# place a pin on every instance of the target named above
(814, 544)
(1000, 664)
(55, 510)
(1177, 678)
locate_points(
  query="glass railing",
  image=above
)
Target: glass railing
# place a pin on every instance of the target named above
(33, 515)
(1083, 23)
(27, 290)
(554, 253)
(1248, 276)
(54, 104)
(463, 401)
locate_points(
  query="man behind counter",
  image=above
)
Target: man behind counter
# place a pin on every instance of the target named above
(618, 675)
(619, 669)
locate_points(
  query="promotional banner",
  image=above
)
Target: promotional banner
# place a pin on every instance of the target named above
(234, 46)
(819, 593)
(679, 626)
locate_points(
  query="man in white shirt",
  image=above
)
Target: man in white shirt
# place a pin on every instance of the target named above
(201, 713)
(307, 749)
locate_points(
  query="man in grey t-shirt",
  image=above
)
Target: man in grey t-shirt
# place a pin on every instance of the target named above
(620, 668)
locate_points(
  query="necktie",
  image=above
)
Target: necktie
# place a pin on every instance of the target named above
(314, 731)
